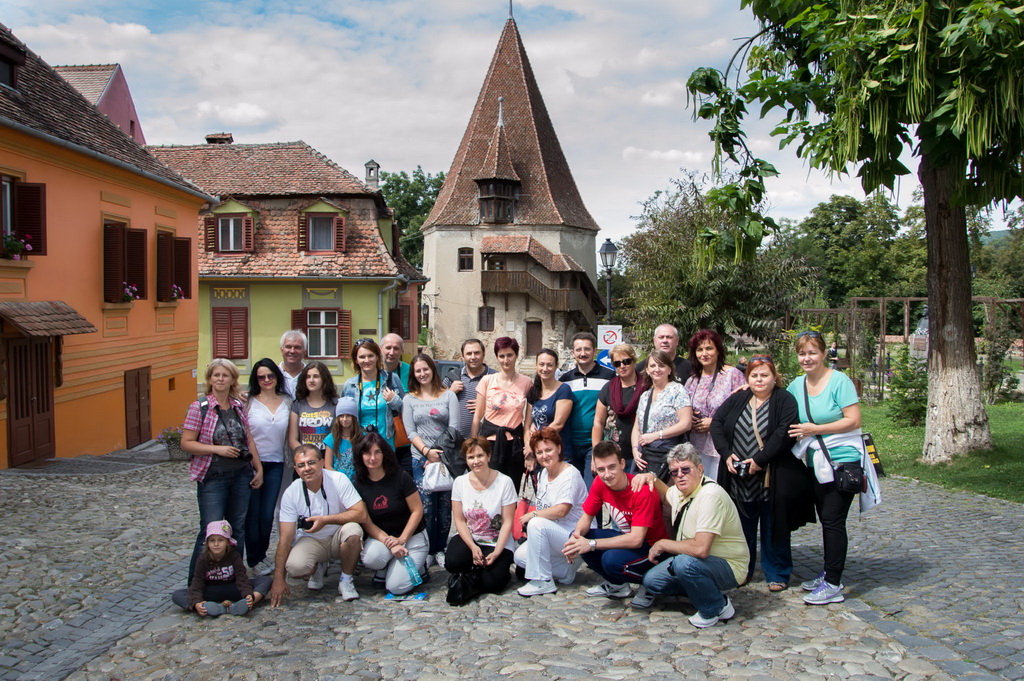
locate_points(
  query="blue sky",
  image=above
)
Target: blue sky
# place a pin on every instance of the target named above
(395, 80)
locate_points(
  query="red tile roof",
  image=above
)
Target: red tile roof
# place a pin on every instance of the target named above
(498, 162)
(548, 194)
(518, 243)
(44, 103)
(45, 318)
(90, 79)
(278, 169)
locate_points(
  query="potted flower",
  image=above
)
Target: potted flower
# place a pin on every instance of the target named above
(129, 292)
(172, 438)
(14, 246)
(177, 293)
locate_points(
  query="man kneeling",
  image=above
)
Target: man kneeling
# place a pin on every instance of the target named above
(708, 554)
(319, 521)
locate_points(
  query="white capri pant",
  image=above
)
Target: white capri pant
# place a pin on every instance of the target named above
(541, 555)
(376, 556)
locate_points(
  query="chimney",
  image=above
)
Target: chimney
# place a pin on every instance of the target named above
(372, 173)
(220, 138)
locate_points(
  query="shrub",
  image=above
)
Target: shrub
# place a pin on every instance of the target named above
(908, 389)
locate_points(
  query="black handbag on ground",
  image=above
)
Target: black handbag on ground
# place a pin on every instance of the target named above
(464, 587)
(849, 477)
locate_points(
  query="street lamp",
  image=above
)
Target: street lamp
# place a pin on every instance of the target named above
(608, 253)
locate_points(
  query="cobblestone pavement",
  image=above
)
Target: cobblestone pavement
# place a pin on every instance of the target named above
(91, 549)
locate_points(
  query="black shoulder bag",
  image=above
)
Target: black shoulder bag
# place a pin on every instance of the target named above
(849, 477)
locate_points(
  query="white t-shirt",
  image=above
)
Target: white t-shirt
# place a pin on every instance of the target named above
(567, 488)
(483, 509)
(336, 495)
(270, 431)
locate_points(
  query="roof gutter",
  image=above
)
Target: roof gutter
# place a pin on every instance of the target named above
(86, 151)
(400, 279)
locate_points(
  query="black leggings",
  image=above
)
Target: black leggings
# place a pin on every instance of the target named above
(833, 507)
(458, 559)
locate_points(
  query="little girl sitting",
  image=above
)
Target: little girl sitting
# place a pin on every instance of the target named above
(221, 584)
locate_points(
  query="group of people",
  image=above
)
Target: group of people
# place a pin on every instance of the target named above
(663, 475)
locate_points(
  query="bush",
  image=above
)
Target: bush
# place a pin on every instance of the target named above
(908, 389)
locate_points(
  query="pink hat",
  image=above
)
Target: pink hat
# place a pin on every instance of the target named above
(220, 528)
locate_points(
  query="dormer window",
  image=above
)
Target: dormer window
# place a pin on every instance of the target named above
(11, 60)
(497, 200)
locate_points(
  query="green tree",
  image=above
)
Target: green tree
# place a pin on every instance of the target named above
(411, 197)
(667, 282)
(858, 81)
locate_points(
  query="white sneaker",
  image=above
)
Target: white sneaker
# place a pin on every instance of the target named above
(347, 590)
(609, 590)
(439, 559)
(316, 580)
(570, 576)
(538, 587)
(728, 612)
(642, 598)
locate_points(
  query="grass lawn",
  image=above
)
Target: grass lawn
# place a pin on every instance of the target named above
(998, 473)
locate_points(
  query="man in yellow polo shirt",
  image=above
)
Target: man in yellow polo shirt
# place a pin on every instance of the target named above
(706, 553)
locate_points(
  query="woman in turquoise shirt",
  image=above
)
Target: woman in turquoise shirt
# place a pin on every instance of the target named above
(378, 395)
(834, 420)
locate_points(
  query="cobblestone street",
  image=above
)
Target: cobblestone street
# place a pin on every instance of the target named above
(93, 546)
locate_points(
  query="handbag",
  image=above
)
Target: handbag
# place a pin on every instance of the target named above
(435, 478)
(523, 507)
(656, 453)
(450, 443)
(464, 587)
(849, 477)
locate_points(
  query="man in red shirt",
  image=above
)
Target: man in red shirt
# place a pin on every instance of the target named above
(637, 517)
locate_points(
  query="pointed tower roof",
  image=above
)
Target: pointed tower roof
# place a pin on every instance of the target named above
(525, 146)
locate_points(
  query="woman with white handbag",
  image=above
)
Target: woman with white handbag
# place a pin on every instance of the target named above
(428, 409)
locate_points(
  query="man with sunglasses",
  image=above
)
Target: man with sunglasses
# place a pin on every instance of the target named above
(319, 521)
(636, 515)
(706, 553)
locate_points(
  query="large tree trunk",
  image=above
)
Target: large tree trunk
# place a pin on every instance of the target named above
(956, 422)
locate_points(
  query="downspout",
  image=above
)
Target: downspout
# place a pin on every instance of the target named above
(401, 278)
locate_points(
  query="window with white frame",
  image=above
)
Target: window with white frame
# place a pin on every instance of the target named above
(6, 203)
(322, 330)
(321, 233)
(231, 233)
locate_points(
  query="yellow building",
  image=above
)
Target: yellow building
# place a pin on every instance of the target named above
(295, 241)
(87, 369)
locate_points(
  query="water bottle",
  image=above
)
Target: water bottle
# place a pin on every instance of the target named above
(414, 573)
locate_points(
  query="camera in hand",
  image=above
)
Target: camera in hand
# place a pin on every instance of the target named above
(304, 523)
(742, 468)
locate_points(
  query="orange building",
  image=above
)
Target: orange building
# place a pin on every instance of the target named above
(87, 212)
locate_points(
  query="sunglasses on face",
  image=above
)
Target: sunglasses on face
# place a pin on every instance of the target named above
(266, 377)
(299, 465)
(680, 472)
(624, 362)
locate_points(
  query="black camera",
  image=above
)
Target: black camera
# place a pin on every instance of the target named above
(370, 429)
(304, 523)
(742, 468)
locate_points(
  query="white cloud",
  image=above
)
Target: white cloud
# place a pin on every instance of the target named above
(673, 155)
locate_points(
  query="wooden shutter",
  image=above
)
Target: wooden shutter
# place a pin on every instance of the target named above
(30, 214)
(344, 332)
(299, 320)
(210, 232)
(164, 265)
(395, 321)
(486, 321)
(183, 264)
(135, 260)
(113, 262)
(406, 325)
(303, 234)
(339, 233)
(247, 235)
(231, 332)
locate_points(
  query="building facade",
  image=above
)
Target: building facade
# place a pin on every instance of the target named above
(294, 241)
(509, 246)
(98, 330)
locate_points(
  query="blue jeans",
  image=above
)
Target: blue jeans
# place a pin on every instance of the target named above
(611, 563)
(437, 509)
(222, 496)
(259, 520)
(582, 453)
(776, 561)
(703, 580)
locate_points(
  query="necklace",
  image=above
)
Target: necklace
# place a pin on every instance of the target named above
(479, 485)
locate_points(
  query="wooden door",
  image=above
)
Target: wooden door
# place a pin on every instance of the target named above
(30, 419)
(137, 424)
(534, 338)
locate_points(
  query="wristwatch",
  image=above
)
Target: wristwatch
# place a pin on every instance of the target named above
(593, 544)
